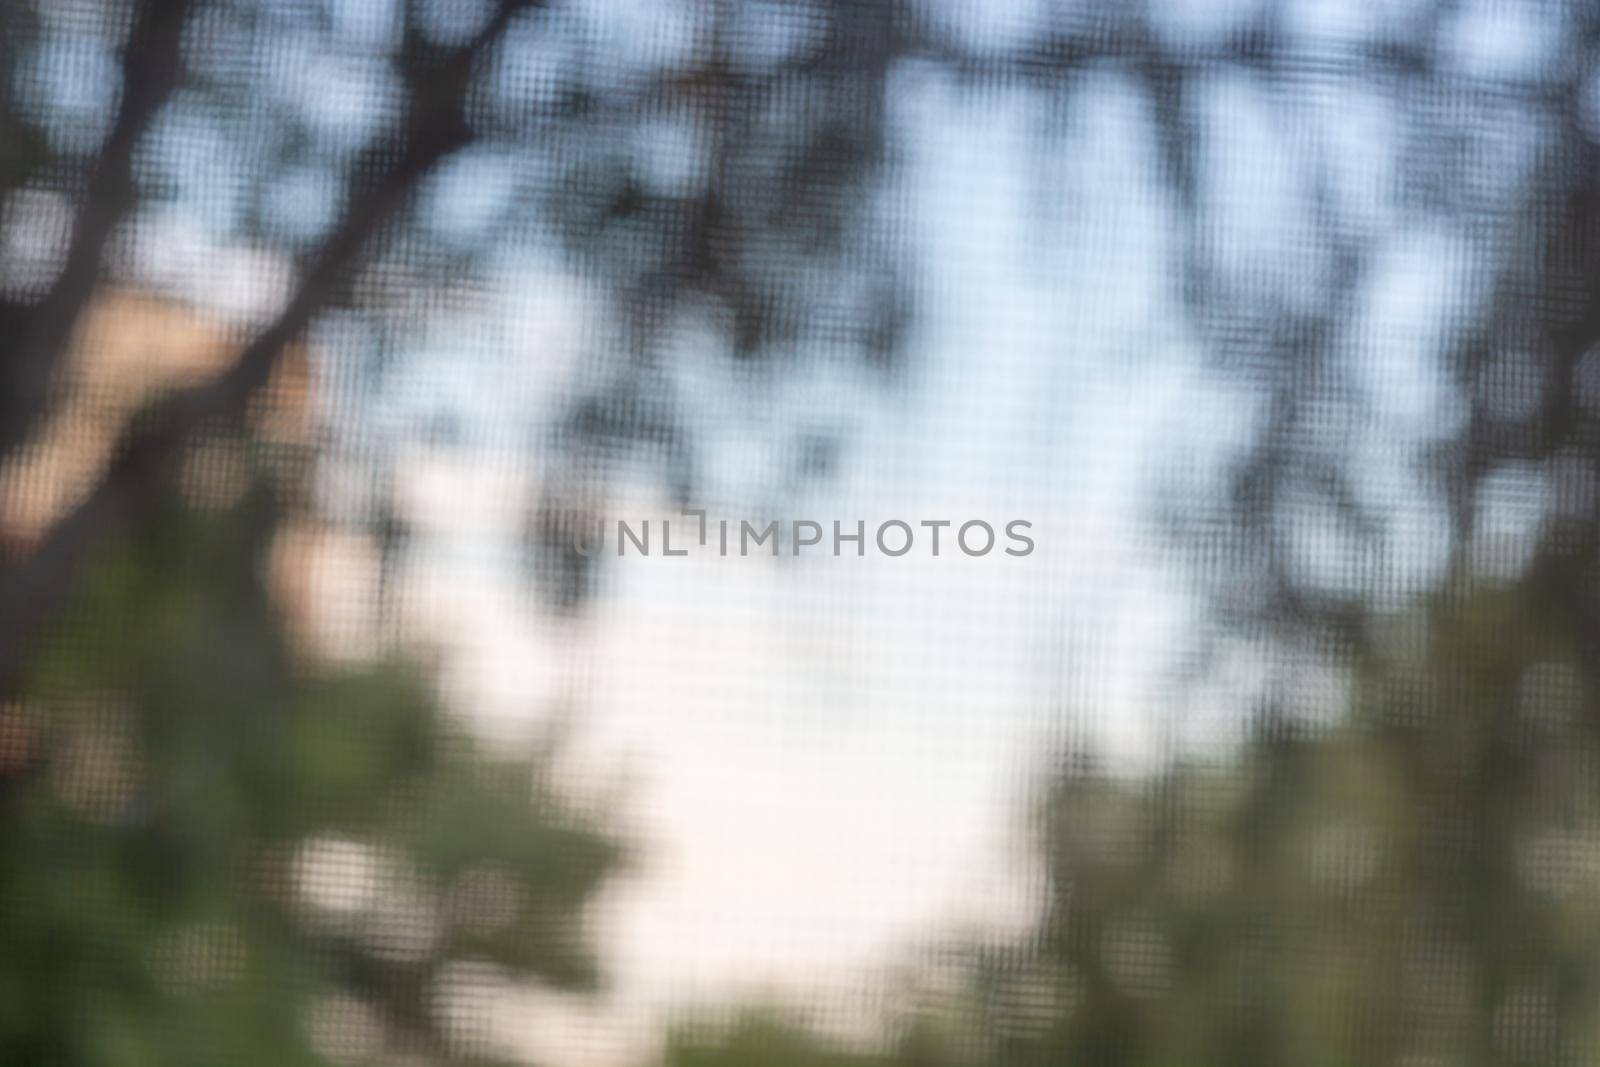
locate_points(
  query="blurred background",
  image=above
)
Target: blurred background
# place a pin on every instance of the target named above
(334, 329)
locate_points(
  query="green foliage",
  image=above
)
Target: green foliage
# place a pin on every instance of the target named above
(211, 853)
(1413, 883)
(1416, 882)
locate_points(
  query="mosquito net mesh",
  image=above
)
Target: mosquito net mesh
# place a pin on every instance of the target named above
(898, 532)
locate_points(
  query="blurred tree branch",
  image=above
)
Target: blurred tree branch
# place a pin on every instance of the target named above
(435, 127)
(150, 72)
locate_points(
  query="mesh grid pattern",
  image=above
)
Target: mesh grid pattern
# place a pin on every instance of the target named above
(393, 389)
